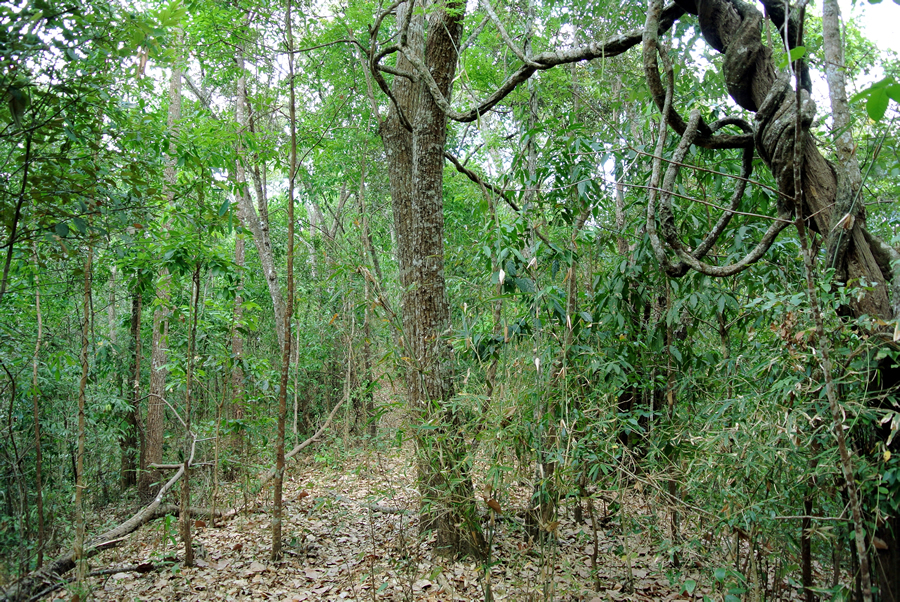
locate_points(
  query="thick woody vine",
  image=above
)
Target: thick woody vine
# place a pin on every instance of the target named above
(780, 135)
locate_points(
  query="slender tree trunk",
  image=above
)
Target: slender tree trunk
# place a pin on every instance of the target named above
(368, 383)
(806, 556)
(256, 219)
(289, 310)
(156, 407)
(185, 513)
(111, 308)
(36, 395)
(133, 443)
(295, 361)
(366, 239)
(80, 561)
(236, 403)
(490, 376)
(848, 202)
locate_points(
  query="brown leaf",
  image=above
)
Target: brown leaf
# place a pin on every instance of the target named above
(237, 547)
(495, 506)
(879, 543)
(199, 523)
(302, 495)
(256, 567)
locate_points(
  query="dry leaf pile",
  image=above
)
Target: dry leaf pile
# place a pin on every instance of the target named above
(350, 534)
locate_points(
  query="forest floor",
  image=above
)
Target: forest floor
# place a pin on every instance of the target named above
(341, 544)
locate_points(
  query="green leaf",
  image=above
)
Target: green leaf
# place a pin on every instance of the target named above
(797, 53)
(893, 91)
(62, 230)
(689, 586)
(224, 208)
(877, 104)
(525, 285)
(675, 353)
(80, 224)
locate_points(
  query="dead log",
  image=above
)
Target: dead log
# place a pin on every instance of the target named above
(46, 579)
(145, 567)
(49, 575)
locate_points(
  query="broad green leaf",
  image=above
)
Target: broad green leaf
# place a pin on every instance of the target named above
(893, 90)
(797, 53)
(877, 104)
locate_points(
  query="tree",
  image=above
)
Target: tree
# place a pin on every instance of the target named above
(415, 134)
(154, 428)
(808, 184)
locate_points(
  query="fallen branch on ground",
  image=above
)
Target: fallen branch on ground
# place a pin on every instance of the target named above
(47, 579)
(48, 576)
(145, 567)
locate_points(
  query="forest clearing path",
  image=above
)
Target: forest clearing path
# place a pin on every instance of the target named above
(339, 548)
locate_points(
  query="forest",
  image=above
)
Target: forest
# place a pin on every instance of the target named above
(448, 300)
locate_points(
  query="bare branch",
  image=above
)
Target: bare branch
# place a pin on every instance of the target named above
(519, 52)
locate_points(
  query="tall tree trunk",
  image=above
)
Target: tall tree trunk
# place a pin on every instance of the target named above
(256, 221)
(368, 382)
(366, 239)
(133, 444)
(36, 395)
(188, 445)
(289, 310)
(237, 353)
(490, 376)
(415, 168)
(80, 561)
(156, 407)
(849, 182)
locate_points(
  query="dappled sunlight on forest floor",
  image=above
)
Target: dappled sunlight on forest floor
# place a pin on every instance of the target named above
(351, 533)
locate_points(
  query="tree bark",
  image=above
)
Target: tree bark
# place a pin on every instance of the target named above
(415, 169)
(237, 353)
(133, 445)
(188, 444)
(156, 407)
(289, 310)
(734, 28)
(256, 222)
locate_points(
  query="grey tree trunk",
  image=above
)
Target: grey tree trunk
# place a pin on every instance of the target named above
(256, 222)
(415, 168)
